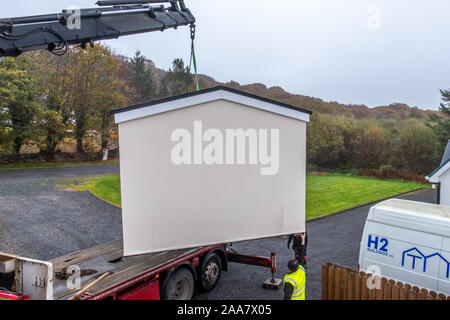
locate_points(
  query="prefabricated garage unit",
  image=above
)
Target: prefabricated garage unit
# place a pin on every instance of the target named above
(214, 166)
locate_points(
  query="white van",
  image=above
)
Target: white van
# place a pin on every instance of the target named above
(408, 241)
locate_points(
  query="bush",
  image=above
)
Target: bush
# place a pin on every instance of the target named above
(387, 172)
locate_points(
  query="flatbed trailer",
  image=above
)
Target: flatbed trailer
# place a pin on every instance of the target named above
(172, 275)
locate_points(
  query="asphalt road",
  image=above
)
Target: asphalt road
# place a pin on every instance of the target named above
(41, 221)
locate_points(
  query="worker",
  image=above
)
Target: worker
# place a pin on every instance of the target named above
(294, 282)
(299, 244)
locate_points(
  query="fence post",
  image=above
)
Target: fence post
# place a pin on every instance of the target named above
(424, 292)
(386, 291)
(403, 293)
(337, 284)
(395, 292)
(324, 282)
(412, 295)
(364, 289)
(420, 296)
(351, 285)
(379, 291)
(330, 290)
(357, 287)
(370, 289)
(344, 288)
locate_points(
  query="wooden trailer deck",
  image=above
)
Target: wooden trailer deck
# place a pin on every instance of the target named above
(125, 270)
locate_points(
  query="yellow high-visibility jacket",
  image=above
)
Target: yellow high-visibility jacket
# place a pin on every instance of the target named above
(298, 281)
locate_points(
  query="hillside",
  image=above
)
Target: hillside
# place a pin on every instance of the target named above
(392, 111)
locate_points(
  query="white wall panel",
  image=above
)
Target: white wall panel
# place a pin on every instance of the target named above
(168, 206)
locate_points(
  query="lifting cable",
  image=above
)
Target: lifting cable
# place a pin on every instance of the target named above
(193, 58)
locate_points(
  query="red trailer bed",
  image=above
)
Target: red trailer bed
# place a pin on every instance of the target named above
(126, 271)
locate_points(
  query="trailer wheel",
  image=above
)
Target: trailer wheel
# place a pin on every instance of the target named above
(180, 286)
(211, 272)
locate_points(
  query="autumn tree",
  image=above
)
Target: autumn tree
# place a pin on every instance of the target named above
(18, 101)
(370, 147)
(415, 148)
(93, 90)
(107, 100)
(325, 143)
(54, 84)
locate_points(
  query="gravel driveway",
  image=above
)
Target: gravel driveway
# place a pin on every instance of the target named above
(40, 221)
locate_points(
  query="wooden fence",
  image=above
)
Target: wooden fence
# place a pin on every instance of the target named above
(341, 283)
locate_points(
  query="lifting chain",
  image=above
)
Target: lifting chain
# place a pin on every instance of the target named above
(193, 58)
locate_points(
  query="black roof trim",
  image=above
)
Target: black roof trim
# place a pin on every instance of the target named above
(218, 88)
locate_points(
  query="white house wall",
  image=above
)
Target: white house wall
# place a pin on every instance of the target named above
(168, 206)
(445, 188)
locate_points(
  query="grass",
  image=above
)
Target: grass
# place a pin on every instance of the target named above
(325, 194)
(335, 192)
(32, 165)
(106, 187)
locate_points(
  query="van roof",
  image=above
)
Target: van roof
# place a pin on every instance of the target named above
(420, 216)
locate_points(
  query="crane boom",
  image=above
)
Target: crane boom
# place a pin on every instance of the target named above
(113, 19)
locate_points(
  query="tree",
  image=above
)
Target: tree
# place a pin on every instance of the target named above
(94, 91)
(415, 148)
(415, 113)
(177, 80)
(108, 100)
(18, 100)
(370, 144)
(54, 83)
(325, 142)
(441, 124)
(141, 78)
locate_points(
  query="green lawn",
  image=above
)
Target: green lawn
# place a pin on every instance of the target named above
(324, 194)
(335, 192)
(33, 165)
(106, 187)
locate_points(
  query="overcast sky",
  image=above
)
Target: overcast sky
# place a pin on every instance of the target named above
(351, 51)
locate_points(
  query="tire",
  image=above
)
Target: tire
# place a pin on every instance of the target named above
(180, 286)
(210, 273)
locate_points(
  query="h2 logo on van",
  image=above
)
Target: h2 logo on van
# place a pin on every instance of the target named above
(377, 244)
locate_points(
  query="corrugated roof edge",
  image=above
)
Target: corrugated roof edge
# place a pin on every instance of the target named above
(217, 88)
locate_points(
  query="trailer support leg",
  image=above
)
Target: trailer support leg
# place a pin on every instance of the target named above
(270, 283)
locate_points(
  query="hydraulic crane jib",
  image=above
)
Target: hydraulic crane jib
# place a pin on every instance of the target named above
(126, 2)
(113, 19)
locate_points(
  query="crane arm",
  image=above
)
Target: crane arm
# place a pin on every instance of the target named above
(111, 20)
